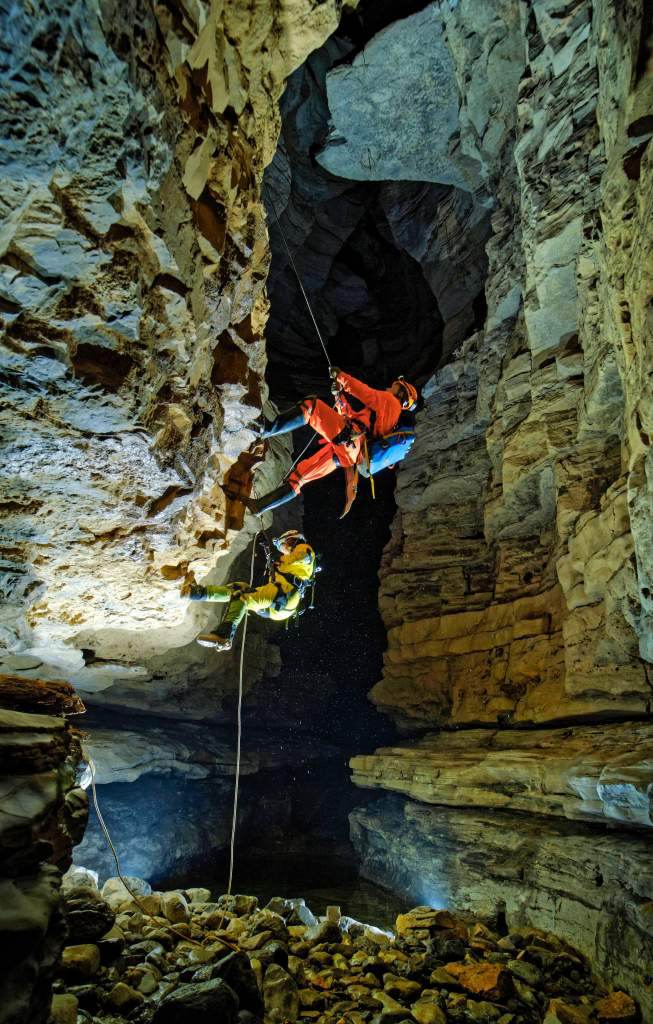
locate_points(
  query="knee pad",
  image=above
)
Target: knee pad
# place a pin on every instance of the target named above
(308, 406)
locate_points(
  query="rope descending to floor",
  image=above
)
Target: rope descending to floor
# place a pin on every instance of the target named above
(107, 835)
(239, 727)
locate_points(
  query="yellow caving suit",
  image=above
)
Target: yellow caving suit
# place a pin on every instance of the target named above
(277, 599)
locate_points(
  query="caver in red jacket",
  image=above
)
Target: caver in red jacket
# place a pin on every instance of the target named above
(344, 429)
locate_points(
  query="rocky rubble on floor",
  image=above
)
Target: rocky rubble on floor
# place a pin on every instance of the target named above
(183, 958)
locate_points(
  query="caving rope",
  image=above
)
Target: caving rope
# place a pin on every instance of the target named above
(239, 729)
(312, 315)
(299, 281)
(300, 456)
(239, 726)
(107, 835)
(335, 390)
(232, 842)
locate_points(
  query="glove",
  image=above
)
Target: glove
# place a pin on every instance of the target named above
(196, 592)
(334, 371)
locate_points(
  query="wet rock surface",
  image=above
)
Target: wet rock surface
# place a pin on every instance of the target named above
(233, 960)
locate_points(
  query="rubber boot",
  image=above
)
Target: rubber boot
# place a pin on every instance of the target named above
(274, 499)
(285, 423)
(219, 641)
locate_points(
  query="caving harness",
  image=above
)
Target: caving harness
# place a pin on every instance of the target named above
(376, 453)
(292, 600)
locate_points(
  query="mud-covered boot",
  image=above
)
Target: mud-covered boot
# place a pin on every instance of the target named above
(267, 502)
(220, 640)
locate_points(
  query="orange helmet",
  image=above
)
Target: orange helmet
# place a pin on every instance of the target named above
(409, 396)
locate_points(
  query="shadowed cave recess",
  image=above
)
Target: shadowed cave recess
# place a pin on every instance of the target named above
(463, 720)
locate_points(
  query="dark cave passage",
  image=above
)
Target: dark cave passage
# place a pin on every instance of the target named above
(355, 247)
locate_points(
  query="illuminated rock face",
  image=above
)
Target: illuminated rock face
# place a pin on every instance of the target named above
(133, 261)
(601, 773)
(516, 587)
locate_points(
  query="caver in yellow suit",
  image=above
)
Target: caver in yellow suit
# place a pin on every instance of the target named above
(278, 599)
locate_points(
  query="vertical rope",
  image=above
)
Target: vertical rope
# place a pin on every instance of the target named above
(239, 729)
(304, 449)
(232, 843)
(107, 835)
(299, 281)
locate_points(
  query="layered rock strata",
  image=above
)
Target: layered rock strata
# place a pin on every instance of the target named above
(43, 815)
(516, 587)
(537, 872)
(177, 957)
(596, 774)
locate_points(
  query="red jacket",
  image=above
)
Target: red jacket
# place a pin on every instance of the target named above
(386, 406)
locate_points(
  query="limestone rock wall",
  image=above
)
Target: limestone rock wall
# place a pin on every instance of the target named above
(516, 587)
(583, 773)
(133, 259)
(43, 815)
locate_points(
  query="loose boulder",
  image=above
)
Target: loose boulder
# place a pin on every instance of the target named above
(198, 1003)
(174, 908)
(88, 917)
(280, 994)
(64, 1009)
(617, 1007)
(115, 887)
(235, 969)
(81, 961)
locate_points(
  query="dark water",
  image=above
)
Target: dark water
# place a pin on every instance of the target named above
(320, 884)
(360, 899)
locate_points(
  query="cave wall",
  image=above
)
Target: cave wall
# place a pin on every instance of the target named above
(43, 814)
(133, 261)
(529, 465)
(515, 588)
(166, 791)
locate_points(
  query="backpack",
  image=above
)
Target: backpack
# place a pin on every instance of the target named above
(386, 451)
